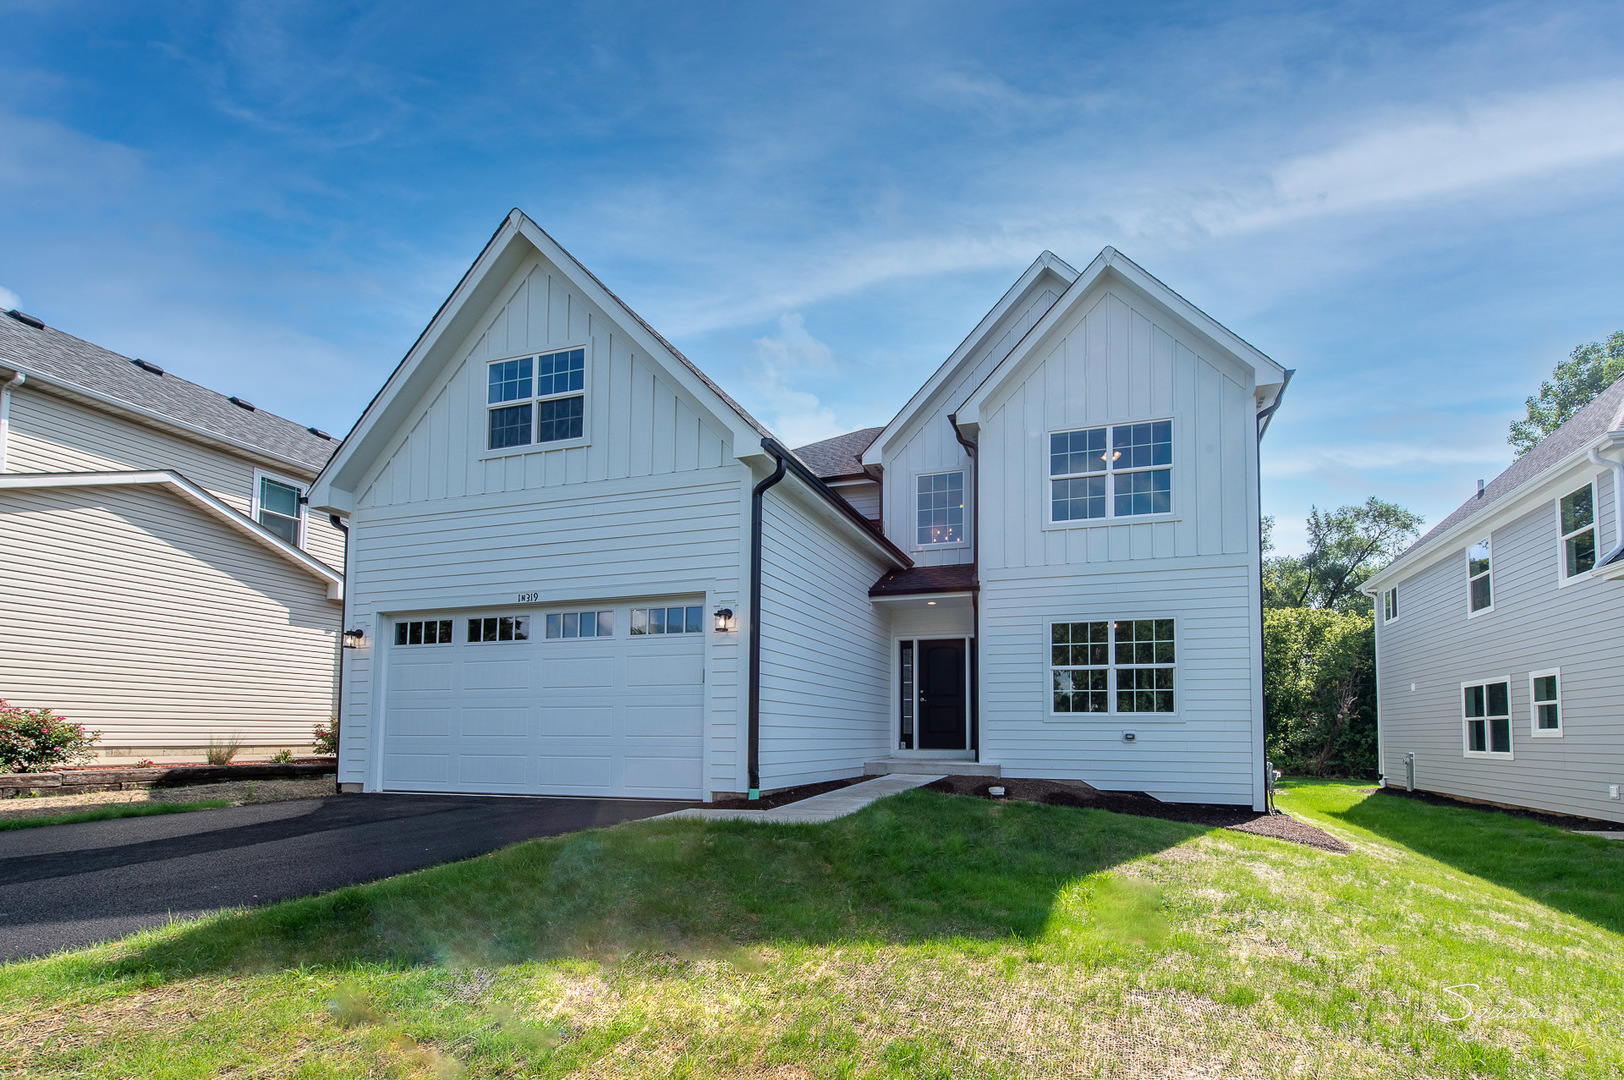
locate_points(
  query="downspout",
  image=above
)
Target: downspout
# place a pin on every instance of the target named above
(975, 583)
(343, 621)
(1618, 504)
(17, 379)
(1262, 668)
(756, 496)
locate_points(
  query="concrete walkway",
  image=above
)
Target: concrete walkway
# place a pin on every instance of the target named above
(825, 807)
(1605, 834)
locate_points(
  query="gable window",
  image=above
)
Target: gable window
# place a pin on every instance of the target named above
(1390, 604)
(499, 628)
(941, 509)
(1545, 696)
(1487, 710)
(1111, 472)
(1112, 666)
(423, 632)
(672, 620)
(581, 624)
(533, 400)
(278, 507)
(1479, 581)
(1577, 512)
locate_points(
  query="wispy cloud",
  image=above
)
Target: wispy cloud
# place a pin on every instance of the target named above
(788, 361)
(9, 299)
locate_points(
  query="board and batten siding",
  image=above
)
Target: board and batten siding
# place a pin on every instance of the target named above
(1534, 625)
(929, 444)
(825, 667)
(130, 611)
(50, 434)
(1114, 361)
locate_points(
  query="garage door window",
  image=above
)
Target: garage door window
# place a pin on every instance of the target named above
(423, 632)
(499, 628)
(580, 624)
(670, 620)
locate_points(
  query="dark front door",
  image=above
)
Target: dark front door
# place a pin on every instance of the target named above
(941, 695)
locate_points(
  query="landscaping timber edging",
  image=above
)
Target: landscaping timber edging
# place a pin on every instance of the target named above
(78, 781)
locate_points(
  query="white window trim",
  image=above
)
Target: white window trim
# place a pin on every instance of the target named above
(1562, 578)
(277, 478)
(1110, 713)
(1467, 555)
(965, 483)
(1110, 517)
(534, 447)
(1511, 715)
(1534, 730)
(1392, 590)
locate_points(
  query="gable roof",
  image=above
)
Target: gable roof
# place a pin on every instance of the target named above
(55, 358)
(1572, 440)
(840, 457)
(516, 240)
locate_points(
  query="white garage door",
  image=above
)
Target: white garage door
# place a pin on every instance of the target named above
(607, 702)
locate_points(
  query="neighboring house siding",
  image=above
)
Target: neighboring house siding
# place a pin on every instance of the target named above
(130, 611)
(50, 434)
(825, 669)
(1534, 625)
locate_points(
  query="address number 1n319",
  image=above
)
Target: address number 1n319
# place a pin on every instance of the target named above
(529, 597)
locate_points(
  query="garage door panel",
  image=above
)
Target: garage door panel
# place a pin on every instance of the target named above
(656, 721)
(502, 770)
(410, 722)
(579, 721)
(578, 673)
(577, 773)
(511, 721)
(663, 671)
(662, 776)
(504, 674)
(423, 676)
(401, 768)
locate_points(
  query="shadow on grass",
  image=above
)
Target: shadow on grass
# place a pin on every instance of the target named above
(1581, 875)
(915, 867)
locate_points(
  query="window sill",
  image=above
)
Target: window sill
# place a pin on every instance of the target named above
(1470, 614)
(1549, 734)
(534, 448)
(958, 546)
(1498, 755)
(1113, 718)
(1103, 523)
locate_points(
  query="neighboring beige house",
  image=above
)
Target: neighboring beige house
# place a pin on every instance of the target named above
(163, 582)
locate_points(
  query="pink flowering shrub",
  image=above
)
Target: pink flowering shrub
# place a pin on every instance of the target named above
(327, 738)
(33, 740)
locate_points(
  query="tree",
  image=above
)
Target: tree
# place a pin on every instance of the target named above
(1587, 371)
(1319, 677)
(1345, 547)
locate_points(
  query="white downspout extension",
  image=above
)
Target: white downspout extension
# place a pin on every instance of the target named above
(17, 379)
(1615, 437)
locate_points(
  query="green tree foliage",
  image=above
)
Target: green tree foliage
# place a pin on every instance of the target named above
(1587, 371)
(1319, 676)
(1345, 547)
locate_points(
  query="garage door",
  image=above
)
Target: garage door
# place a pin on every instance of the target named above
(607, 701)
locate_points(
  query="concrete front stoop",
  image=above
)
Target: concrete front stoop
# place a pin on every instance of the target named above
(901, 766)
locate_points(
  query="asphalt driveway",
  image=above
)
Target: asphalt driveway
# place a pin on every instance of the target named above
(64, 886)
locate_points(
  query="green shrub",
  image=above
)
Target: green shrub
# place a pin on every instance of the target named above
(221, 752)
(33, 740)
(326, 742)
(1319, 674)
(282, 757)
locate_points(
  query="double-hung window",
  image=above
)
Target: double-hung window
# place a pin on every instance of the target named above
(1112, 666)
(1576, 512)
(534, 400)
(1545, 702)
(941, 509)
(278, 507)
(1111, 472)
(1479, 579)
(1390, 604)
(1486, 707)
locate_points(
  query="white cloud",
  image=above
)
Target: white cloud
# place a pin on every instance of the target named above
(784, 362)
(9, 299)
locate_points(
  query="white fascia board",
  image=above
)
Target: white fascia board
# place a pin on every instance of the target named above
(156, 419)
(197, 497)
(922, 398)
(1110, 265)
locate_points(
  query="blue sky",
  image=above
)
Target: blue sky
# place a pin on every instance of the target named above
(1417, 206)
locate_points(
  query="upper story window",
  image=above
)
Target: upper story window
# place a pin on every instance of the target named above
(1577, 511)
(1390, 604)
(941, 509)
(1111, 472)
(279, 507)
(1487, 709)
(1479, 580)
(537, 399)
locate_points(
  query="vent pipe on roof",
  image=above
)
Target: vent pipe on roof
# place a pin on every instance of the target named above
(147, 365)
(26, 319)
(241, 404)
(1480, 489)
(319, 433)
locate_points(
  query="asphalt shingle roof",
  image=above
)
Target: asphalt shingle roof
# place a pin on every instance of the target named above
(953, 577)
(839, 456)
(63, 357)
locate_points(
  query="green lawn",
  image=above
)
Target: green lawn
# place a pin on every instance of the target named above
(107, 813)
(928, 936)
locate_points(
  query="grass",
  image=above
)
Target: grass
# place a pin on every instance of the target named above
(927, 936)
(107, 813)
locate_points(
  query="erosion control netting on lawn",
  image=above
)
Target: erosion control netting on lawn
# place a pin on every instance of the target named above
(1078, 794)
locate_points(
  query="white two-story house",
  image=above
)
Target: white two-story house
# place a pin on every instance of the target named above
(578, 567)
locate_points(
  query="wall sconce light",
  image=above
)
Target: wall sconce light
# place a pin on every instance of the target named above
(724, 620)
(355, 639)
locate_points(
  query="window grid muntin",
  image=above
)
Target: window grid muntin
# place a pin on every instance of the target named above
(1138, 464)
(423, 632)
(1576, 521)
(1480, 576)
(279, 508)
(1545, 701)
(1121, 666)
(1486, 712)
(1390, 604)
(939, 509)
(498, 628)
(568, 625)
(675, 619)
(535, 400)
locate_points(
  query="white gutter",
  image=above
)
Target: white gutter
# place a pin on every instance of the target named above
(1614, 438)
(17, 379)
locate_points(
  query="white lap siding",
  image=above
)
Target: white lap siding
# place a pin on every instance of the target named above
(825, 670)
(132, 612)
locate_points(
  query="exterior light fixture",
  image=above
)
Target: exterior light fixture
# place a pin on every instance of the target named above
(930, 603)
(724, 620)
(354, 639)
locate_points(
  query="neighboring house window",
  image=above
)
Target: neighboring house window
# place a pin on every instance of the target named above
(1578, 523)
(672, 620)
(423, 632)
(1120, 666)
(580, 624)
(1390, 604)
(1480, 586)
(941, 509)
(1545, 694)
(1120, 471)
(499, 628)
(277, 507)
(536, 399)
(1487, 708)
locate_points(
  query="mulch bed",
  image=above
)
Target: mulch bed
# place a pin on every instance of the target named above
(1559, 821)
(1078, 794)
(772, 800)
